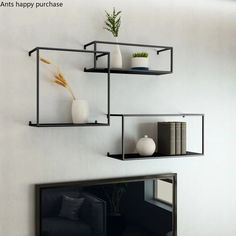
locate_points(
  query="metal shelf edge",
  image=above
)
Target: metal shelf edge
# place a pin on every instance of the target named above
(43, 125)
(138, 157)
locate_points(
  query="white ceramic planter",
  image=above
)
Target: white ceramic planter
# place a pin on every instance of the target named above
(116, 57)
(80, 111)
(141, 63)
(146, 146)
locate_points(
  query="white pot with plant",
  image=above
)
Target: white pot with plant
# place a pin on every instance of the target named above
(140, 61)
(80, 108)
(112, 23)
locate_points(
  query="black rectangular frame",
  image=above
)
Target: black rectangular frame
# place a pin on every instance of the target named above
(135, 156)
(39, 187)
(159, 49)
(38, 124)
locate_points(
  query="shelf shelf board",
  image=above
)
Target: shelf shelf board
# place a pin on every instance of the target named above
(127, 71)
(66, 124)
(136, 156)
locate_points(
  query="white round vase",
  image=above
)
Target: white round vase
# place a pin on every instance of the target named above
(116, 57)
(146, 146)
(80, 111)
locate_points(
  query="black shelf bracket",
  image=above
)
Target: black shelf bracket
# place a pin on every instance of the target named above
(96, 123)
(135, 156)
(157, 48)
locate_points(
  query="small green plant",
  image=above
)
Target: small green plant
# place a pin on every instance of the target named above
(140, 54)
(113, 22)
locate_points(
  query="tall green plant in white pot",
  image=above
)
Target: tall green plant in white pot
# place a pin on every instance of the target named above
(113, 21)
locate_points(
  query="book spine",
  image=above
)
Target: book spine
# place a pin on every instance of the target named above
(172, 138)
(183, 138)
(177, 138)
(166, 138)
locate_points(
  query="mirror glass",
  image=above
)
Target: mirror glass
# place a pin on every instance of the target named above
(134, 206)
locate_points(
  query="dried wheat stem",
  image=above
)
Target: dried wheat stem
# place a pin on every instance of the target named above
(59, 77)
(71, 92)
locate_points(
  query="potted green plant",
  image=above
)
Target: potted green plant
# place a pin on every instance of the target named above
(140, 61)
(113, 22)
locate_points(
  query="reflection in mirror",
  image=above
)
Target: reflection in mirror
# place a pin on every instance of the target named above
(134, 206)
(161, 192)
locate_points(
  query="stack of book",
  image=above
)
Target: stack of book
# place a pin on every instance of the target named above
(171, 138)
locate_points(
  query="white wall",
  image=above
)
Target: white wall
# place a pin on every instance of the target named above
(203, 36)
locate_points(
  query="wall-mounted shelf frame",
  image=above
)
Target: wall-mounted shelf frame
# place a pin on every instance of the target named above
(159, 49)
(38, 123)
(135, 156)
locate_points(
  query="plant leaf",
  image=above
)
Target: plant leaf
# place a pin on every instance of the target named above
(113, 22)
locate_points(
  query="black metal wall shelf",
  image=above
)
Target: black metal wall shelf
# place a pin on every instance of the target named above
(127, 71)
(158, 49)
(66, 124)
(135, 156)
(38, 123)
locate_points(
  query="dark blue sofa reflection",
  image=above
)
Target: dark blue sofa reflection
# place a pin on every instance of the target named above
(92, 215)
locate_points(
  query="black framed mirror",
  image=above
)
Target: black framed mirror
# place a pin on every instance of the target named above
(131, 206)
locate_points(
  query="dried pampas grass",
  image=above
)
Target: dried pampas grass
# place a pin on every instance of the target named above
(59, 78)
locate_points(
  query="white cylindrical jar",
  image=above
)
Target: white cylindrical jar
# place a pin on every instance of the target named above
(146, 146)
(80, 111)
